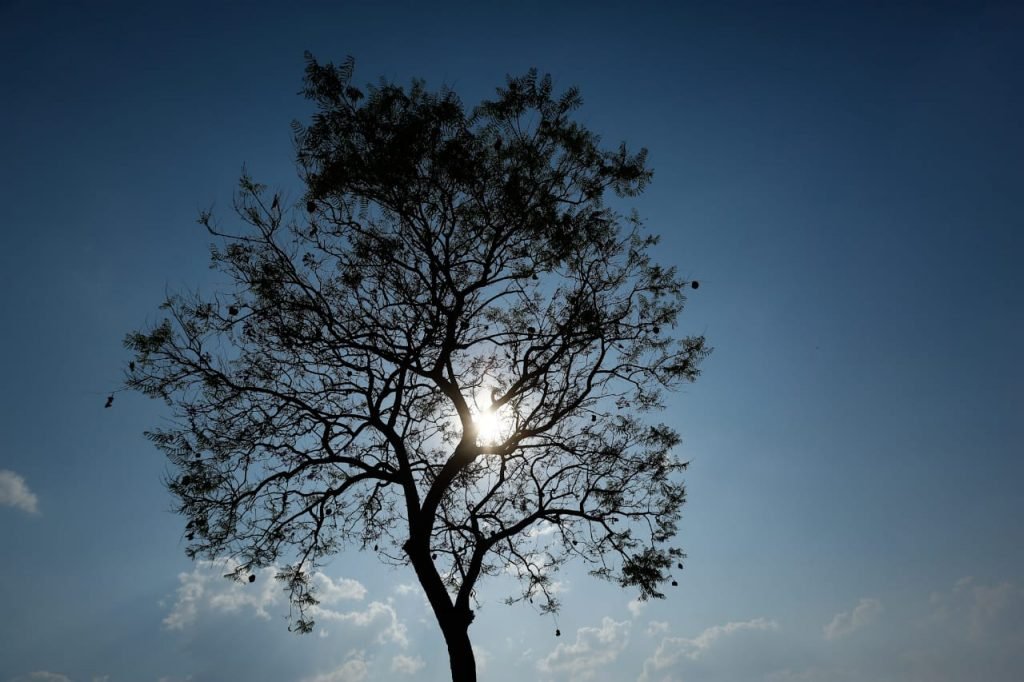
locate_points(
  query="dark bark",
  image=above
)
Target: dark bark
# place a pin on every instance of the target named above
(453, 618)
(460, 651)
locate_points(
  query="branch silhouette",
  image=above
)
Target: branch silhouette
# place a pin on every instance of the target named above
(442, 264)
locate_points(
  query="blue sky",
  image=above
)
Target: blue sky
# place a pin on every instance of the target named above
(844, 181)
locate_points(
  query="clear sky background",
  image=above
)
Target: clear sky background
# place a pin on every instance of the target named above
(844, 180)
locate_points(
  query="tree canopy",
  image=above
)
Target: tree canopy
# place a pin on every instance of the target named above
(446, 351)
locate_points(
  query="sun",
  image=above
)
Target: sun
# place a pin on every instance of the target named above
(489, 427)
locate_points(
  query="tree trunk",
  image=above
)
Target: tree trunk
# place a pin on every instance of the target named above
(460, 651)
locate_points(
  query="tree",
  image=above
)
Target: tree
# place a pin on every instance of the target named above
(446, 345)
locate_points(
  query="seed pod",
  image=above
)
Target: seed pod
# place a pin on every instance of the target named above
(694, 284)
(310, 206)
(252, 578)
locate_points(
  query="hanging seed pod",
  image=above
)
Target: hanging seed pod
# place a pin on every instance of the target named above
(232, 310)
(680, 565)
(252, 578)
(695, 284)
(376, 547)
(593, 417)
(433, 557)
(558, 633)
(311, 206)
(675, 583)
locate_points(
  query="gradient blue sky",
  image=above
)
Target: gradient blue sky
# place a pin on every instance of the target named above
(846, 183)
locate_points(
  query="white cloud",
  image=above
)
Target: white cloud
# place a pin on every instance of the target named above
(656, 626)
(813, 674)
(541, 529)
(848, 622)
(15, 493)
(353, 670)
(482, 657)
(44, 676)
(636, 606)
(594, 648)
(394, 631)
(405, 589)
(674, 650)
(980, 612)
(972, 631)
(332, 591)
(206, 588)
(407, 665)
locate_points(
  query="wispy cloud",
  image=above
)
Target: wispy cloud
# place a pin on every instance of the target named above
(42, 676)
(407, 589)
(205, 590)
(355, 669)
(407, 665)
(14, 492)
(593, 649)
(988, 613)
(331, 591)
(656, 626)
(848, 622)
(482, 657)
(394, 629)
(674, 650)
(636, 606)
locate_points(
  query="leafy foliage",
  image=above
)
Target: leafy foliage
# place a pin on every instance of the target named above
(442, 265)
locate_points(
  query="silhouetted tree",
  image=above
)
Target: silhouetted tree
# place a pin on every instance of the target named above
(444, 269)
